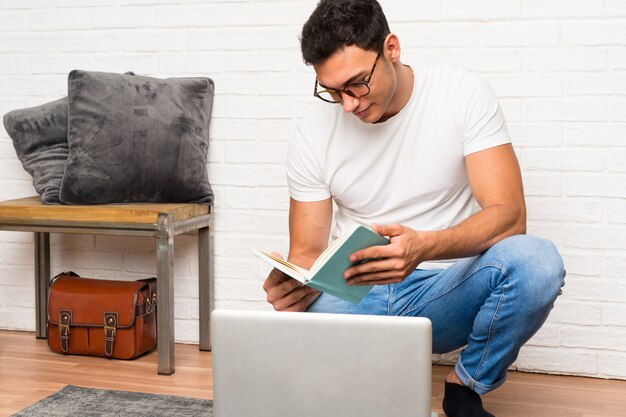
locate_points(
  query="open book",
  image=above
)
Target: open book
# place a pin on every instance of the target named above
(326, 274)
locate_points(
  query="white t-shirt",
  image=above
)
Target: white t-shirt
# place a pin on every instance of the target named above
(409, 169)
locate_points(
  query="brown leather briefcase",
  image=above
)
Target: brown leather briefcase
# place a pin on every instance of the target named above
(96, 317)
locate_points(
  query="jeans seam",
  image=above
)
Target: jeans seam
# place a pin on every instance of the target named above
(494, 320)
(489, 265)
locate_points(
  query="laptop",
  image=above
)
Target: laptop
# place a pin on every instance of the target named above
(271, 364)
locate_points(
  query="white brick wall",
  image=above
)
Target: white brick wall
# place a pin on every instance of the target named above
(559, 68)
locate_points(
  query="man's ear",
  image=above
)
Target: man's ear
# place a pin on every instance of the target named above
(391, 48)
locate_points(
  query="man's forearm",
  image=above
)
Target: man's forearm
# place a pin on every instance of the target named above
(303, 260)
(475, 234)
(309, 228)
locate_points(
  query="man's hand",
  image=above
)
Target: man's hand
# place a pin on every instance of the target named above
(390, 263)
(285, 293)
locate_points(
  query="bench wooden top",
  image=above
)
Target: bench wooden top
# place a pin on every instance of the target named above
(33, 208)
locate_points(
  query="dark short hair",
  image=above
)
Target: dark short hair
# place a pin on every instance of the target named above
(335, 24)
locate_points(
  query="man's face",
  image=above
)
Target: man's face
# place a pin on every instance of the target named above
(353, 65)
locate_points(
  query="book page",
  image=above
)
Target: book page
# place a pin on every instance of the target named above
(288, 268)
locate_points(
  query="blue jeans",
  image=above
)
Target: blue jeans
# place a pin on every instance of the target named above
(493, 303)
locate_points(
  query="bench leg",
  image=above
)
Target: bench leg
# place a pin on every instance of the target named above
(165, 304)
(206, 290)
(42, 279)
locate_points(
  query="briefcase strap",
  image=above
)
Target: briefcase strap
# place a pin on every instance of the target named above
(148, 306)
(110, 329)
(65, 319)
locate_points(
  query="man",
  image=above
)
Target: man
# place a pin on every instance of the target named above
(422, 155)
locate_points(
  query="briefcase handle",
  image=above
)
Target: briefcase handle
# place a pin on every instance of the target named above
(57, 276)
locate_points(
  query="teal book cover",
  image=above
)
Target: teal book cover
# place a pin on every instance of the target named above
(326, 274)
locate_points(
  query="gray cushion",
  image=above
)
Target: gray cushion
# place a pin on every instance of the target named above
(137, 139)
(39, 136)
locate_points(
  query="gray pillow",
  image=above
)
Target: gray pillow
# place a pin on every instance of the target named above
(137, 139)
(39, 137)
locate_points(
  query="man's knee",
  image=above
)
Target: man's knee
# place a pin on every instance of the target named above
(536, 265)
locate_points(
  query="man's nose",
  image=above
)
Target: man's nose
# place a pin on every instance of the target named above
(349, 103)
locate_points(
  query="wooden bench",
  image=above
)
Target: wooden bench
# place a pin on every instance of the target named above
(161, 221)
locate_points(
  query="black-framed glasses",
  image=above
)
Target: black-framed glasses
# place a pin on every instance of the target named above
(356, 89)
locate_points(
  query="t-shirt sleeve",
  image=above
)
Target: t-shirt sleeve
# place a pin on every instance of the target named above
(305, 177)
(480, 116)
